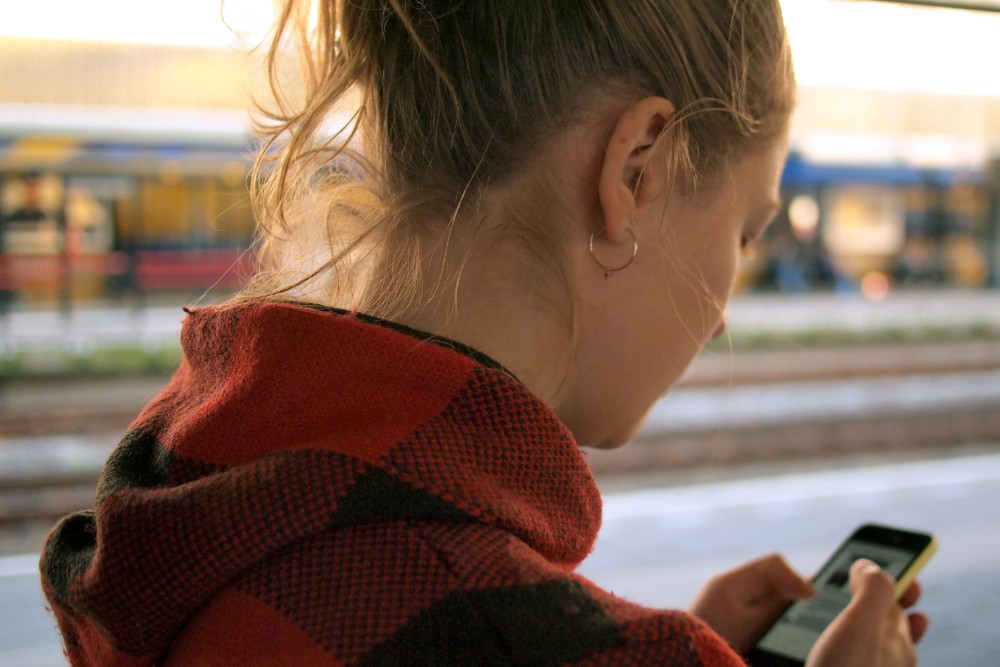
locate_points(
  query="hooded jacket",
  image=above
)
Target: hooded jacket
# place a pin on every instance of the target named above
(315, 487)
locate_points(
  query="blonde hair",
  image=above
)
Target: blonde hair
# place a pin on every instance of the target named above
(455, 96)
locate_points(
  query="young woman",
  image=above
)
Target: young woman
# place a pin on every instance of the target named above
(526, 233)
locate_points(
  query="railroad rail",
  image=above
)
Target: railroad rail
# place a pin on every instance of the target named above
(88, 405)
(33, 411)
(46, 498)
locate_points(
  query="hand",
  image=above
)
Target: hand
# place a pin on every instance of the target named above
(873, 630)
(742, 603)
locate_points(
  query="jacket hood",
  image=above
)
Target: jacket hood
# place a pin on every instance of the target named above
(284, 421)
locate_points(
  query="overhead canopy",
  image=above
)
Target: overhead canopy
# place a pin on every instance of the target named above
(975, 5)
(893, 83)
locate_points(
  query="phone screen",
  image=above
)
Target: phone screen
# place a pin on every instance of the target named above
(793, 635)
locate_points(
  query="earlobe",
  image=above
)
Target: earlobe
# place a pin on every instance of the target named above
(625, 180)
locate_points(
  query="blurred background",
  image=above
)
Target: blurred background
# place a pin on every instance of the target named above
(860, 381)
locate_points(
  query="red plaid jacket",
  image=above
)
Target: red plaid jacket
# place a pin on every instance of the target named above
(318, 488)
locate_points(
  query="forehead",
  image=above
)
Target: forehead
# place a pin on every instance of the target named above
(757, 168)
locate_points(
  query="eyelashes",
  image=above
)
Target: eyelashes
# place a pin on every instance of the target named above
(746, 240)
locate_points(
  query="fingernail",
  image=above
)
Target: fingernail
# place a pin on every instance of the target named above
(867, 564)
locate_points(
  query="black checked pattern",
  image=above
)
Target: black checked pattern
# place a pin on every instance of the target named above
(436, 520)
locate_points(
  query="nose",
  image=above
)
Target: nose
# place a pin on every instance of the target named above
(720, 328)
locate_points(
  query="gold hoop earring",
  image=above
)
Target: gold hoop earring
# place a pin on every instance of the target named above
(608, 270)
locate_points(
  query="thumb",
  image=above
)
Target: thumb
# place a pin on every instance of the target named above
(872, 591)
(858, 635)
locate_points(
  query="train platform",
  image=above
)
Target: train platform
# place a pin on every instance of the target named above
(751, 317)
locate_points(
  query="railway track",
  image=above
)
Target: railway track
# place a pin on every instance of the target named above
(42, 499)
(45, 498)
(38, 407)
(884, 436)
(41, 496)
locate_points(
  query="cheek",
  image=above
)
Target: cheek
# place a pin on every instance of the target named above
(699, 292)
(720, 277)
(721, 261)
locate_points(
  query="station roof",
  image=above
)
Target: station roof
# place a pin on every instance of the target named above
(851, 107)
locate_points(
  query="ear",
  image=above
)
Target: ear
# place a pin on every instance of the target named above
(629, 151)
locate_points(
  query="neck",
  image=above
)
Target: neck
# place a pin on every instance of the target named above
(500, 281)
(499, 307)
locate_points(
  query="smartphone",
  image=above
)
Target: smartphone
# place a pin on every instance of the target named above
(901, 553)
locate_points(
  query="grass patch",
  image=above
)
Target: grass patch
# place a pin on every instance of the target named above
(139, 360)
(126, 360)
(822, 338)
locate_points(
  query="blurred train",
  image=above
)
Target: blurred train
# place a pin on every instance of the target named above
(121, 215)
(873, 227)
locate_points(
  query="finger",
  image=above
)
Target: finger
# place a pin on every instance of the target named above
(780, 578)
(918, 626)
(911, 595)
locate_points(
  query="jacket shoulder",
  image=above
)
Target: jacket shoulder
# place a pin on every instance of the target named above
(433, 592)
